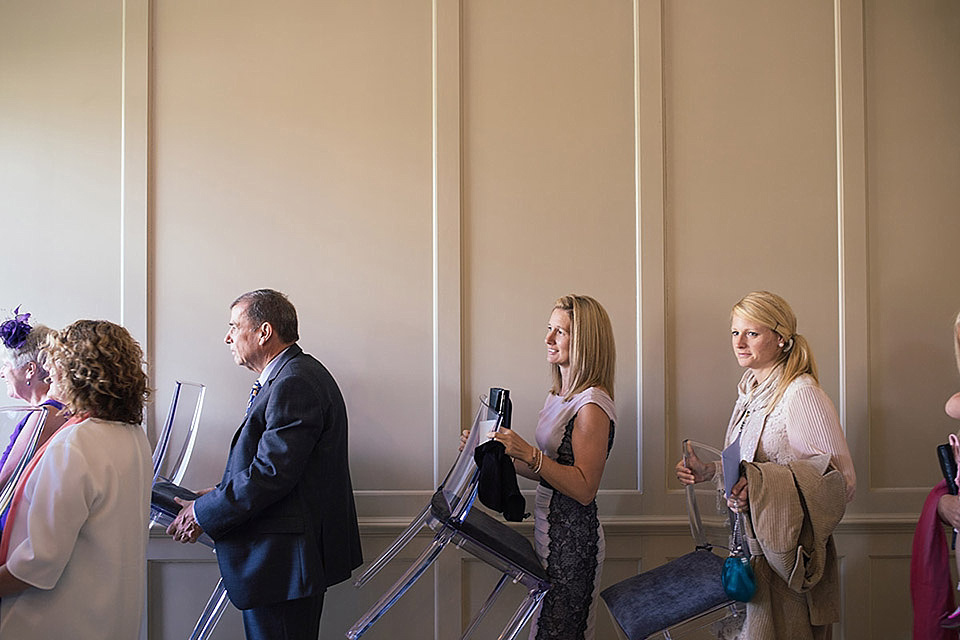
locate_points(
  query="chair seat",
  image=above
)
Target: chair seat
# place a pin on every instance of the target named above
(163, 494)
(494, 535)
(667, 595)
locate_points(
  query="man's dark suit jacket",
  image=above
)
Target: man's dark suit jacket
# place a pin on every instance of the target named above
(283, 517)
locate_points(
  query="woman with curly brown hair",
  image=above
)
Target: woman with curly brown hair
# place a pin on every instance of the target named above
(73, 551)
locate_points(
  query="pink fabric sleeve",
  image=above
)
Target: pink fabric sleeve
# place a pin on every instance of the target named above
(813, 427)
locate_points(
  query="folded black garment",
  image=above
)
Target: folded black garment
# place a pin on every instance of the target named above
(163, 495)
(497, 487)
(948, 466)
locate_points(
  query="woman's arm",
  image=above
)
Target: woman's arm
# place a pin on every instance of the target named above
(50, 426)
(948, 508)
(813, 427)
(581, 480)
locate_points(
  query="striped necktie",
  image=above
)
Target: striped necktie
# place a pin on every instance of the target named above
(253, 394)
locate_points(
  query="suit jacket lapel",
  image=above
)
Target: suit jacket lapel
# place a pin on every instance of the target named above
(292, 352)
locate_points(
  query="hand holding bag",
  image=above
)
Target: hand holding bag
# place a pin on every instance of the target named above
(737, 575)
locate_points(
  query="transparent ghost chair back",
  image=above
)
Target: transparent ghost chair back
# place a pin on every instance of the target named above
(709, 526)
(181, 423)
(181, 426)
(458, 489)
(455, 524)
(10, 417)
(697, 605)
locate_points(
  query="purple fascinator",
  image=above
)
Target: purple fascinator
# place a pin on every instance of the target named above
(14, 331)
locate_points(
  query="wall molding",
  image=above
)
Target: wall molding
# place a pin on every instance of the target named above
(134, 127)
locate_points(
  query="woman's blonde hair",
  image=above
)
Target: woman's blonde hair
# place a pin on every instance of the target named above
(593, 354)
(99, 370)
(772, 311)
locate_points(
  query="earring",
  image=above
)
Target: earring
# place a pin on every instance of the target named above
(28, 383)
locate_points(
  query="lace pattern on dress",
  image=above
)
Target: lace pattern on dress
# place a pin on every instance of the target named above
(572, 560)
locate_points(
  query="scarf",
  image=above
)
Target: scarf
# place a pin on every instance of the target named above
(750, 411)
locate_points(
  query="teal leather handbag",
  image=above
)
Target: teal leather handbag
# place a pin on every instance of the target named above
(737, 575)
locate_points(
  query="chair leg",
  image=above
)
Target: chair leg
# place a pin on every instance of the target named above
(393, 549)
(523, 614)
(211, 613)
(411, 575)
(486, 606)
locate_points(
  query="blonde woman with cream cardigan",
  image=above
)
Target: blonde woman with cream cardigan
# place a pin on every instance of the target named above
(781, 414)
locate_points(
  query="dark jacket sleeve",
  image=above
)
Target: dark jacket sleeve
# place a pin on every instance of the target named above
(293, 426)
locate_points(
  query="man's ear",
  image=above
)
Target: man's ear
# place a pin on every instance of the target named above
(266, 331)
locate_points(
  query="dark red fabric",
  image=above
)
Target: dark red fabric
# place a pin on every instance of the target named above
(931, 587)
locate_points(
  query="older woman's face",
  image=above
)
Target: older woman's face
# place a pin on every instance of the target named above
(16, 380)
(755, 346)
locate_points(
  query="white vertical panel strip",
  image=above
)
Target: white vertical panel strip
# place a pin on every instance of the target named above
(436, 252)
(853, 267)
(852, 271)
(133, 168)
(447, 294)
(637, 211)
(446, 225)
(841, 262)
(651, 292)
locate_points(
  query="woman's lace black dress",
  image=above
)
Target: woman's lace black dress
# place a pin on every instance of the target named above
(568, 536)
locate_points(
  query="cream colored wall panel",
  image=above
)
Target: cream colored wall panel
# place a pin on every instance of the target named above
(549, 195)
(889, 602)
(411, 618)
(750, 164)
(178, 591)
(60, 108)
(912, 63)
(295, 153)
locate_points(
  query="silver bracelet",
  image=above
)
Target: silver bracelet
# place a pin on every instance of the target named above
(536, 470)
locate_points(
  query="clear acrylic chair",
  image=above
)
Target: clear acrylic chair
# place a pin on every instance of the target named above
(452, 520)
(183, 422)
(9, 418)
(682, 598)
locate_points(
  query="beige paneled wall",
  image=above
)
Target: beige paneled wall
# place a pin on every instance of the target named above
(912, 88)
(750, 191)
(548, 196)
(297, 154)
(425, 178)
(60, 160)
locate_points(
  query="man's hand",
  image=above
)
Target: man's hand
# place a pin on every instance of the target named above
(185, 527)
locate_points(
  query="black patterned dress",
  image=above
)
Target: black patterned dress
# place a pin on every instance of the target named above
(567, 535)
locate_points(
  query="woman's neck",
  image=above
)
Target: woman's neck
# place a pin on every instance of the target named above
(760, 375)
(564, 380)
(38, 397)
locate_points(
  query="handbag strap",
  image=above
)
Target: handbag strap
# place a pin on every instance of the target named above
(736, 548)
